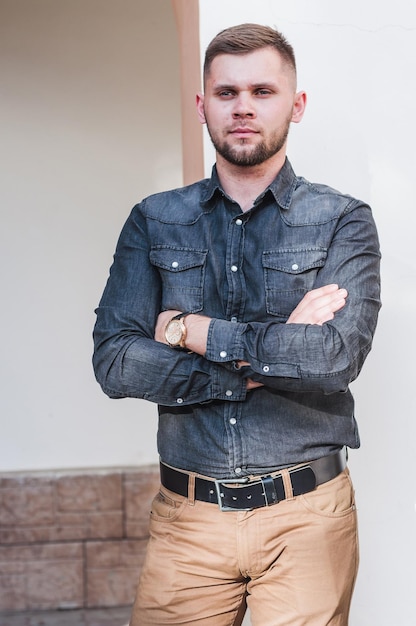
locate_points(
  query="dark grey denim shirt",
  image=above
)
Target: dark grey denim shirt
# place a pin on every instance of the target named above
(193, 249)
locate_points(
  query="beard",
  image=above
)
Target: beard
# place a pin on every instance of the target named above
(252, 155)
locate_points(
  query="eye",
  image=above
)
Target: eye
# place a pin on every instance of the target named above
(226, 93)
(263, 92)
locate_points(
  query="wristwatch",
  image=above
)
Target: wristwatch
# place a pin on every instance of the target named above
(175, 331)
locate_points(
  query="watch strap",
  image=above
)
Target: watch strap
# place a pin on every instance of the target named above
(180, 316)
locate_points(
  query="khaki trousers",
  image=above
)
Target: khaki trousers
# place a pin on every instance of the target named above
(294, 563)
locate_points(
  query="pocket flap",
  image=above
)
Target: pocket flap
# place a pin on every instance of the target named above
(294, 260)
(177, 259)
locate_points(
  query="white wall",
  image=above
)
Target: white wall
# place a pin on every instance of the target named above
(357, 61)
(90, 123)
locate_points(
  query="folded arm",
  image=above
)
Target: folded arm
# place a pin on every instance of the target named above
(321, 347)
(127, 361)
(317, 307)
(326, 339)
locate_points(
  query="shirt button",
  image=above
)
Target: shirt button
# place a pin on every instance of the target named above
(234, 319)
(238, 470)
(234, 268)
(229, 393)
(175, 264)
(238, 222)
(179, 400)
(266, 368)
(295, 266)
(233, 421)
(223, 354)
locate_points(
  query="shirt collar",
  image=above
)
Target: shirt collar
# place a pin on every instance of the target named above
(213, 187)
(282, 187)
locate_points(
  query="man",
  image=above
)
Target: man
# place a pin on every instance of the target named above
(244, 305)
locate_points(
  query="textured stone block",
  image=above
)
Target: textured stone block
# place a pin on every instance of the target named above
(26, 501)
(12, 591)
(70, 507)
(41, 552)
(139, 491)
(108, 524)
(113, 570)
(89, 492)
(70, 539)
(46, 576)
(54, 585)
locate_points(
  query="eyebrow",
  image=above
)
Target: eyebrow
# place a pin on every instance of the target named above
(261, 85)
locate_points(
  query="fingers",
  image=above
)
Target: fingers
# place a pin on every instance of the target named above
(251, 384)
(319, 305)
(327, 311)
(316, 294)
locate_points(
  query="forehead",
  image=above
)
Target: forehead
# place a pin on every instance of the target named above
(264, 65)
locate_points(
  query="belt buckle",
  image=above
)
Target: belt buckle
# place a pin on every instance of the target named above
(229, 481)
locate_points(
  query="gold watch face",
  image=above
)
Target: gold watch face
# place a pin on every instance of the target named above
(174, 332)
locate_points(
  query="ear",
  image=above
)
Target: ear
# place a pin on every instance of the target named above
(200, 107)
(299, 105)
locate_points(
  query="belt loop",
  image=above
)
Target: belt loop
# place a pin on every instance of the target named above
(287, 484)
(269, 490)
(191, 489)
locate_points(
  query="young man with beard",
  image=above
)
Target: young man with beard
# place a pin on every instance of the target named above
(244, 305)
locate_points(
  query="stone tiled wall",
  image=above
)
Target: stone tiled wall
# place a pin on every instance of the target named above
(73, 539)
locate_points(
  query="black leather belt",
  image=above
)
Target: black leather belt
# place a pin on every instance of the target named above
(249, 493)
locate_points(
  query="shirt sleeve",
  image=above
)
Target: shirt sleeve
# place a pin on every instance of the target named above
(127, 361)
(307, 357)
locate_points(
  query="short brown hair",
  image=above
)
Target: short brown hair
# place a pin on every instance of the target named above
(246, 38)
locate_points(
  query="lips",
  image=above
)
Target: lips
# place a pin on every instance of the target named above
(243, 130)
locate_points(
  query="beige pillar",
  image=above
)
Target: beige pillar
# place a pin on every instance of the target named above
(187, 23)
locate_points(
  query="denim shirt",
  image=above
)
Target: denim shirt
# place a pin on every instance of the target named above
(194, 250)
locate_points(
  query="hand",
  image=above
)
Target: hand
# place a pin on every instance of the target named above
(319, 305)
(251, 384)
(316, 307)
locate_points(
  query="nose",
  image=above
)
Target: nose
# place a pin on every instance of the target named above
(243, 106)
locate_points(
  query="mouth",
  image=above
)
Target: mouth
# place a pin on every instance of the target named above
(243, 131)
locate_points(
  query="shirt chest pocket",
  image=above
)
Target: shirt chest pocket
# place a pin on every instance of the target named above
(182, 273)
(288, 275)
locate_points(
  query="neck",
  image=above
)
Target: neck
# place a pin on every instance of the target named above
(245, 184)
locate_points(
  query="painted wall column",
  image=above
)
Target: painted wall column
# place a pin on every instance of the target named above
(187, 22)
